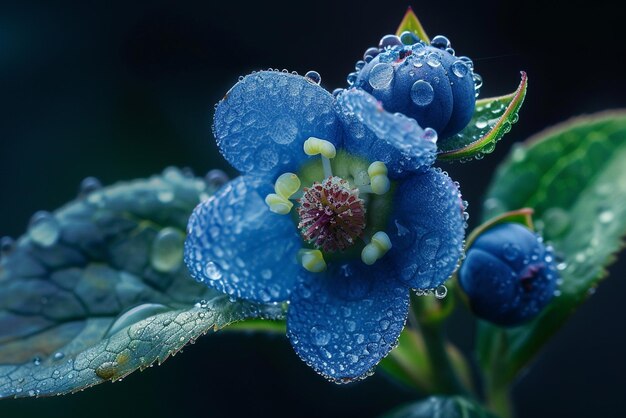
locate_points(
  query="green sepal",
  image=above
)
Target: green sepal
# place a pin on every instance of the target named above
(411, 23)
(492, 119)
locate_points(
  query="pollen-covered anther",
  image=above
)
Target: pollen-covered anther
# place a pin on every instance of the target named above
(315, 146)
(332, 216)
(312, 260)
(379, 182)
(376, 249)
(286, 186)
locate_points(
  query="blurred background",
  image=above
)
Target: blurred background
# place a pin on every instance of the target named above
(118, 90)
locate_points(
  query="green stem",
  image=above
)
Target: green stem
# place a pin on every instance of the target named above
(499, 401)
(446, 380)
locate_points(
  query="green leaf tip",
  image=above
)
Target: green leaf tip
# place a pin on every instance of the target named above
(573, 176)
(411, 23)
(493, 118)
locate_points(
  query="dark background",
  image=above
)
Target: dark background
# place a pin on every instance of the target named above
(118, 91)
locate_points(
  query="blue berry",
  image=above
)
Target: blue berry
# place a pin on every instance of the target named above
(509, 275)
(424, 82)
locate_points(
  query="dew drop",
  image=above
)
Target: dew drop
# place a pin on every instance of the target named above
(167, 250)
(433, 60)
(6, 245)
(165, 196)
(389, 41)
(478, 81)
(482, 122)
(606, 216)
(422, 93)
(430, 135)
(89, 185)
(216, 178)
(58, 355)
(212, 271)
(320, 336)
(107, 370)
(134, 315)
(381, 75)
(511, 251)
(370, 53)
(460, 69)
(44, 229)
(313, 76)
(440, 42)
(37, 361)
(441, 291)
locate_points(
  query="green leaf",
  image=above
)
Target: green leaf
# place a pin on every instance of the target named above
(411, 23)
(493, 118)
(98, 289)
(441, 407)
(574, 177)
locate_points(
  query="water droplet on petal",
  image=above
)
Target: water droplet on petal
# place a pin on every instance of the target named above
(441, 291)
(422, 93)
(314, 77)
(37, 361)
(381, 75)
(58, 355)
(320, 336)
(212, 271)
(44, 229)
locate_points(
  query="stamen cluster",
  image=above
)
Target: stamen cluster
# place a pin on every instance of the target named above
(331, 214)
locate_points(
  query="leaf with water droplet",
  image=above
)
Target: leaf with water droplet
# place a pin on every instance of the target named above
(574, 170)
(109, 294)
(492, 119)
(411, 23)
(441, 406)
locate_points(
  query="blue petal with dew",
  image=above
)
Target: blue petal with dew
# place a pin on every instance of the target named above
(263, 121)
(394, 139)
(344, 321)
(426, 229)
(237, 246)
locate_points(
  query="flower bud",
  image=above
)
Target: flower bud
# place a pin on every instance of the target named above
(508, 275)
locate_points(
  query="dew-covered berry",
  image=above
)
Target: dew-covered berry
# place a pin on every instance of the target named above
(425, 82)
(509, 275)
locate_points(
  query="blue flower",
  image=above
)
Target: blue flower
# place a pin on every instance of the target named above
(509, 275)
(337, 211)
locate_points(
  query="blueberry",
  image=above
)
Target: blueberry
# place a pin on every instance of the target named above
(508, 275)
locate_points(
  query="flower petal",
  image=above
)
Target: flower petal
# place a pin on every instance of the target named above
(262, 122)
(344, 321)
(237, 246)
(426, 229)
(394, 139)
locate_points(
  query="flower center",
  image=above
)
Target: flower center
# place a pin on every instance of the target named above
(331, 214)
(332, 211)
